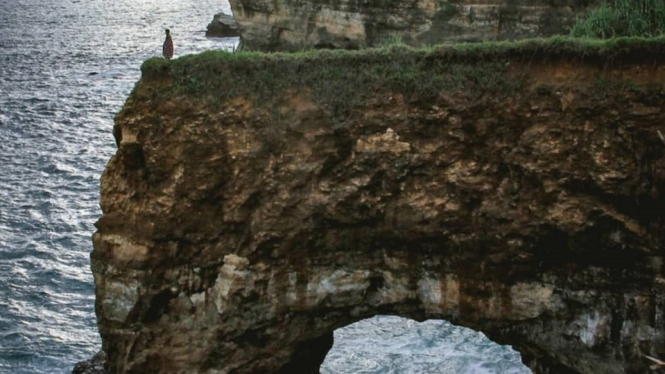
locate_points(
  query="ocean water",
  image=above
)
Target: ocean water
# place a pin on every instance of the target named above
(66, 67)
(396, 345)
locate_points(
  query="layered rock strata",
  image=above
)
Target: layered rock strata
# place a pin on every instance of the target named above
(294, 25)
(249, 214)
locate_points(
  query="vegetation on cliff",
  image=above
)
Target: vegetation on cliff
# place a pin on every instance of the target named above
(623, 18)
(342, 79)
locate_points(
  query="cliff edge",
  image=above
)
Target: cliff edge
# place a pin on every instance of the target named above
(256, 203)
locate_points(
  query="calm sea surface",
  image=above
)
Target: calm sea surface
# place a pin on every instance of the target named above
(55, 139)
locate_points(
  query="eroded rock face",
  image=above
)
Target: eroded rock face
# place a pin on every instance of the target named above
(294, 25)
(239, 233)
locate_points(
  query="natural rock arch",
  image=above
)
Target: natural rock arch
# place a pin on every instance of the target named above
(238, 235)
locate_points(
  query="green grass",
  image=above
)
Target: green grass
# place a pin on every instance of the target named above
(340, 80)
(615, 18)
(393, 41)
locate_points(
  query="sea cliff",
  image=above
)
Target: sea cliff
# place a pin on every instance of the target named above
(272, 25)
(256, 203)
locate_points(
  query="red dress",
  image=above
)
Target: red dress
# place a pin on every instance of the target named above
(167, 50)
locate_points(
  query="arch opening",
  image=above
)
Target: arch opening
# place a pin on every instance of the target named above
(388, 344)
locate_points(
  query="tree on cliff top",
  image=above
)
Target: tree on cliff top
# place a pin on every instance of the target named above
(615, 18)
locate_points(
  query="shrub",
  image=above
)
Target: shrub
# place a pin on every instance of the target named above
(623, 18)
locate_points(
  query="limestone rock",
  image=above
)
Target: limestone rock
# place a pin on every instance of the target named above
(242, 225)
(293, 25)
(222, 26)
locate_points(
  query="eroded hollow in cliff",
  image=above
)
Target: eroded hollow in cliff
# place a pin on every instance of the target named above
(392, 344)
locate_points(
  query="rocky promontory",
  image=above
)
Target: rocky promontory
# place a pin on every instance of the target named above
(256, 203)
(350, 24)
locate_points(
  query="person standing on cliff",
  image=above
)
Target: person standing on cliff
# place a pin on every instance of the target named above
(167, 49)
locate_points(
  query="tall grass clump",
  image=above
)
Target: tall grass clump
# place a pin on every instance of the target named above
(615, 18)
(393, 41)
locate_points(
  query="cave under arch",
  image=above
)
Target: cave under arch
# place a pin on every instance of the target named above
(551, 327)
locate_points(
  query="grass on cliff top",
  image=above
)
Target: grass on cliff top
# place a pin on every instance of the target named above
(340, 80)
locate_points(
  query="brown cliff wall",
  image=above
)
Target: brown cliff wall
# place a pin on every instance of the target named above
(257, 203)
(297, 24)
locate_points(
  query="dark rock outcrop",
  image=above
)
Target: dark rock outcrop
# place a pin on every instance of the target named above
(93, 366)
(513, 190)
(222, 26)
(272, 25)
